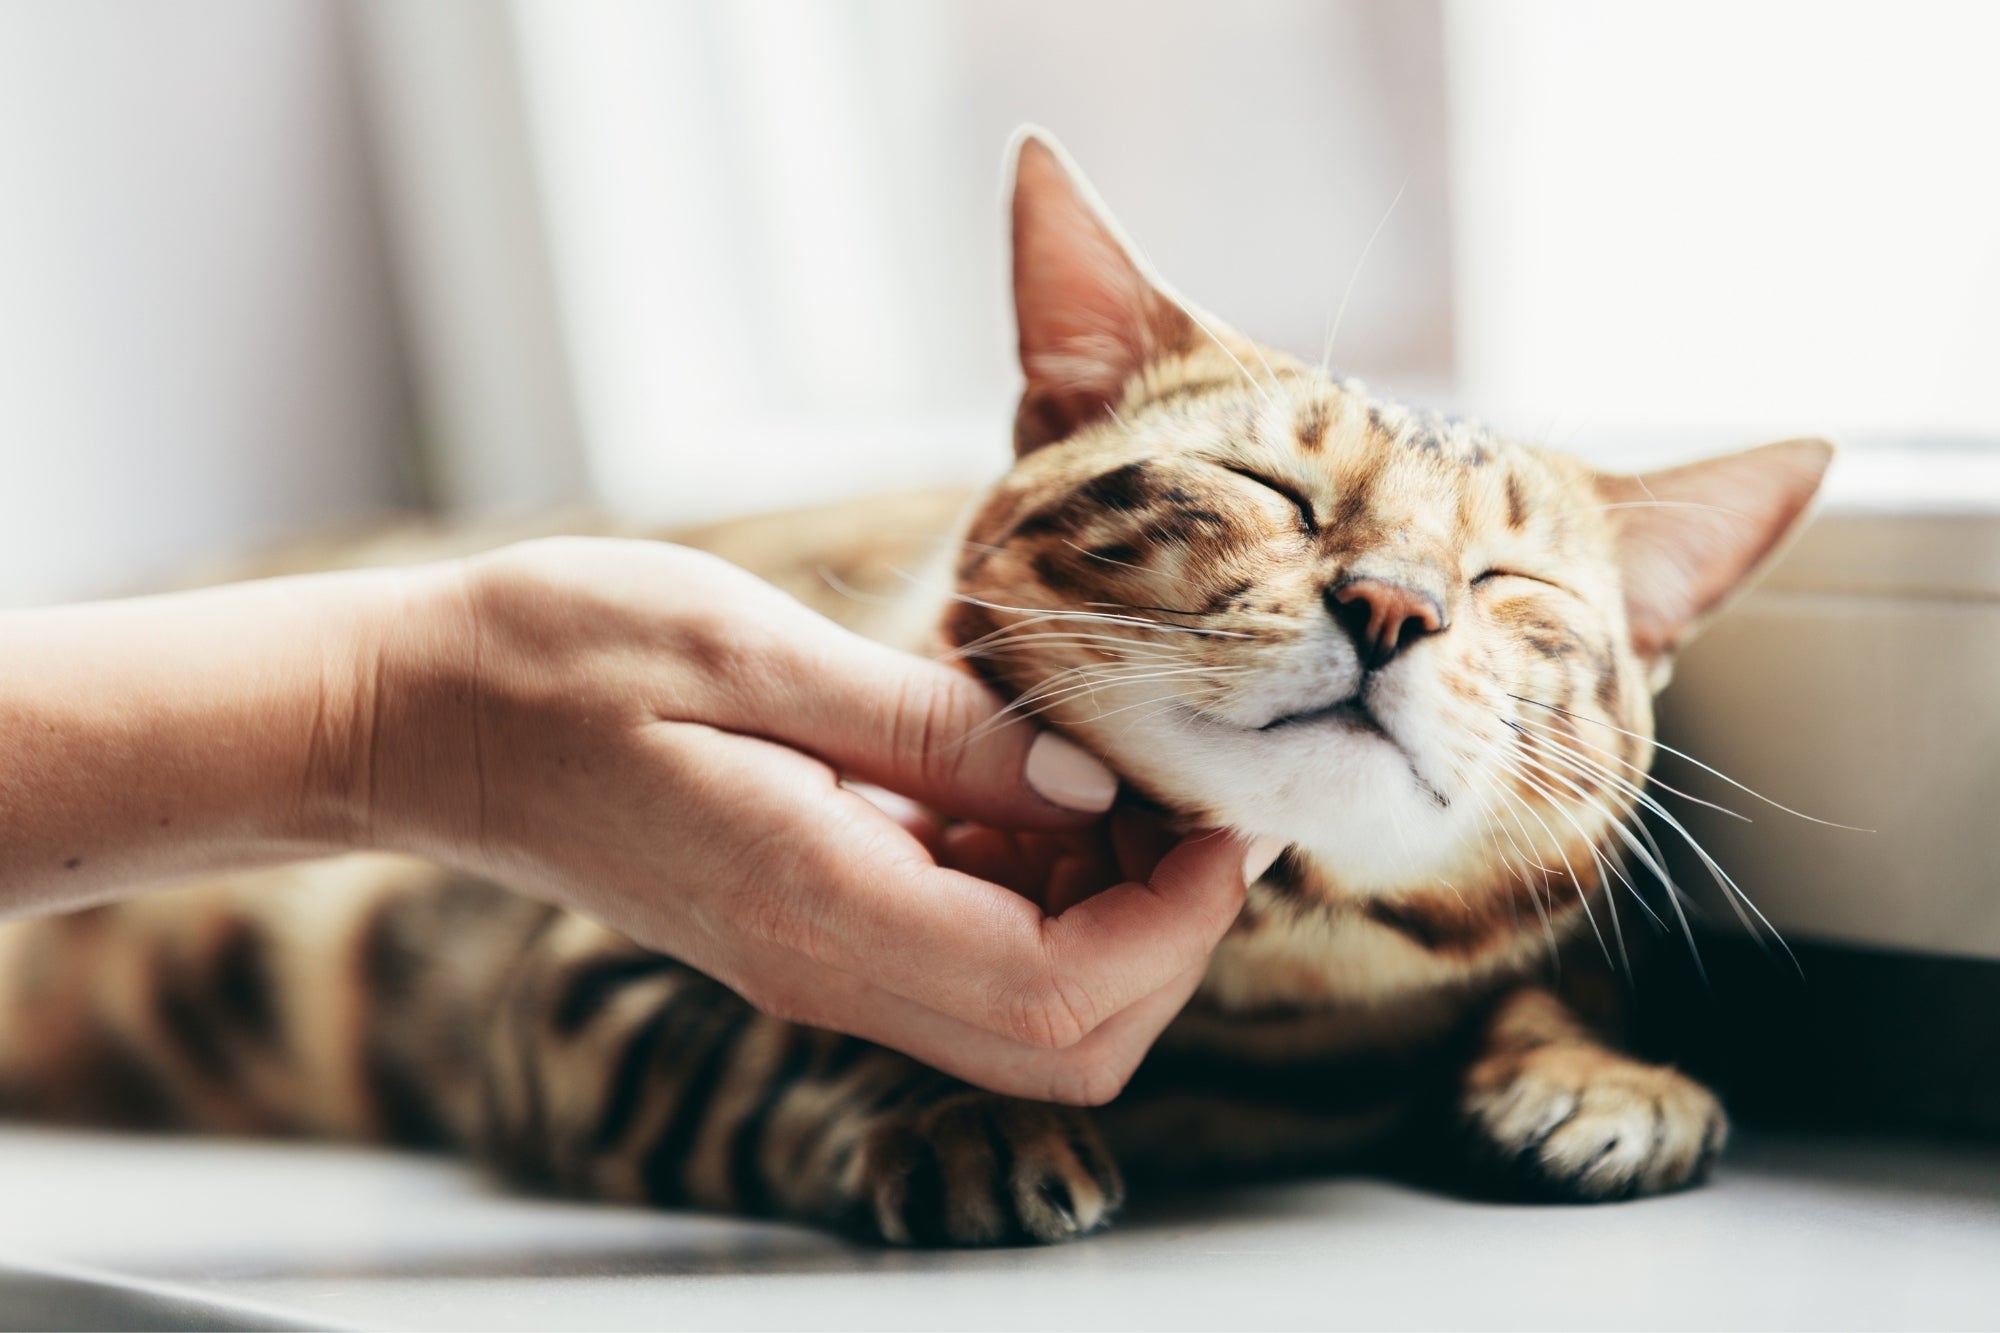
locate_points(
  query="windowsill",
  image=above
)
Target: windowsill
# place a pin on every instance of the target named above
(1883, 476)
(208, 1233)
(1873, 473)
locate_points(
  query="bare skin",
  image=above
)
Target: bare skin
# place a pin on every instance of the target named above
(644, 734)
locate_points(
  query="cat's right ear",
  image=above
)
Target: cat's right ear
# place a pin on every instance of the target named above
(1692, 537)
(1090, 316)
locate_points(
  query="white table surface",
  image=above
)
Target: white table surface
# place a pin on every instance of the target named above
(178, 1232)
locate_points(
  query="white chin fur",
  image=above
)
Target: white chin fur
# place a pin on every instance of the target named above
(1347, 798)
(1356, 802)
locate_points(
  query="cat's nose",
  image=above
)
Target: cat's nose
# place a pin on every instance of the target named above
(1384, 617)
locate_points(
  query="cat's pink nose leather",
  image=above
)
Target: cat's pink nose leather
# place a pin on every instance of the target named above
(1384, 617)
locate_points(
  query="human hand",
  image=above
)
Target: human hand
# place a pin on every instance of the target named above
(656, 738)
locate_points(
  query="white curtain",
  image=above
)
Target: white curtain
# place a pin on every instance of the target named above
(772, 232)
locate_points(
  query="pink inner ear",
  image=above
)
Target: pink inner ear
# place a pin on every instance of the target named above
(1688, 537)
(1088, 316)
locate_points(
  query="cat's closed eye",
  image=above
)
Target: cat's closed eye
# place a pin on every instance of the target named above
(1492, 575)
(1308, 519)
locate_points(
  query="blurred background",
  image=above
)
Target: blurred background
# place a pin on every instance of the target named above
(277, 266)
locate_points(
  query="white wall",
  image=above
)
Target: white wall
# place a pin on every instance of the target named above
(197, 347)
(1773, 216)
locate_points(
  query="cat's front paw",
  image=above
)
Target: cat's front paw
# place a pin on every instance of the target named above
(981, 1169)
(1578, 1122)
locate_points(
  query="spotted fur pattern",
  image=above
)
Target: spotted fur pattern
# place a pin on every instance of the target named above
(1420, 654)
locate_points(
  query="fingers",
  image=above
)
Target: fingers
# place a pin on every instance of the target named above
(923, 825)
(917, 727)
(1055, 870)
(1139, 841)
(1012, 970)
(991, 855)
(1115, 947)
(820, 873)
(1089, 1073)
(1073, 877)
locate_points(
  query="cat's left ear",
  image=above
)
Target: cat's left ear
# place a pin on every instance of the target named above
(1090, 313)
(1692, 536)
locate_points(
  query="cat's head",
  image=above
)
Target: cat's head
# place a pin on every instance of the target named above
(1279, 605)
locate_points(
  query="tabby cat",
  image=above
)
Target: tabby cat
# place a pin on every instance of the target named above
(1422, 655)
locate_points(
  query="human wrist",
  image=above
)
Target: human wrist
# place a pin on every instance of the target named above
(156, 738)
(409, 780)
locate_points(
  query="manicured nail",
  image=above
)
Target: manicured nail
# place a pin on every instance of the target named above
(1063, 773)
(1263, 851)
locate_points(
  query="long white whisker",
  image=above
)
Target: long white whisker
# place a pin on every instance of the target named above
(1175, 698)
(1681, 754)
(1326, 357)
(1732, 893)
(1612, 820)
(1655, 861)
(1198, 322)
(1664, 504)
(1095, 679)
(1127, 564)
(1099, 617)
(1493, 825)
(1265, 362)
(1603, 866)
(1590, 768)
(1058, 688)
(1644, 774)
(997, 644)
(1031, 620)
(1576, 881)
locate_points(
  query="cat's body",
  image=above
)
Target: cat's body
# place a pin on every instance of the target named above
(1421, 655)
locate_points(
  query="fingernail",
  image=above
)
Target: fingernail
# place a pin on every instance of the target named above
(1063, 773)
(1263, 852)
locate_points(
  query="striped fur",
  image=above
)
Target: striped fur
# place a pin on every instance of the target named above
(1165, 574)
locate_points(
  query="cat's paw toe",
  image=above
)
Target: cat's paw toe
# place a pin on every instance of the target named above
(980, 1169)
(1573, 1122)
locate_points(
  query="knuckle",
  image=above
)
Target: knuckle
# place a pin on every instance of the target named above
(788, 883)
(767, 908)
(1043, 1014)
(930, 724)
(709, 640)
(762, 915)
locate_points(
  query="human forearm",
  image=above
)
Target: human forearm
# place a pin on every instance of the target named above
(148, 740)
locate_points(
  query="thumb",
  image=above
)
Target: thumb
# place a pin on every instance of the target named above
(934, 734)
